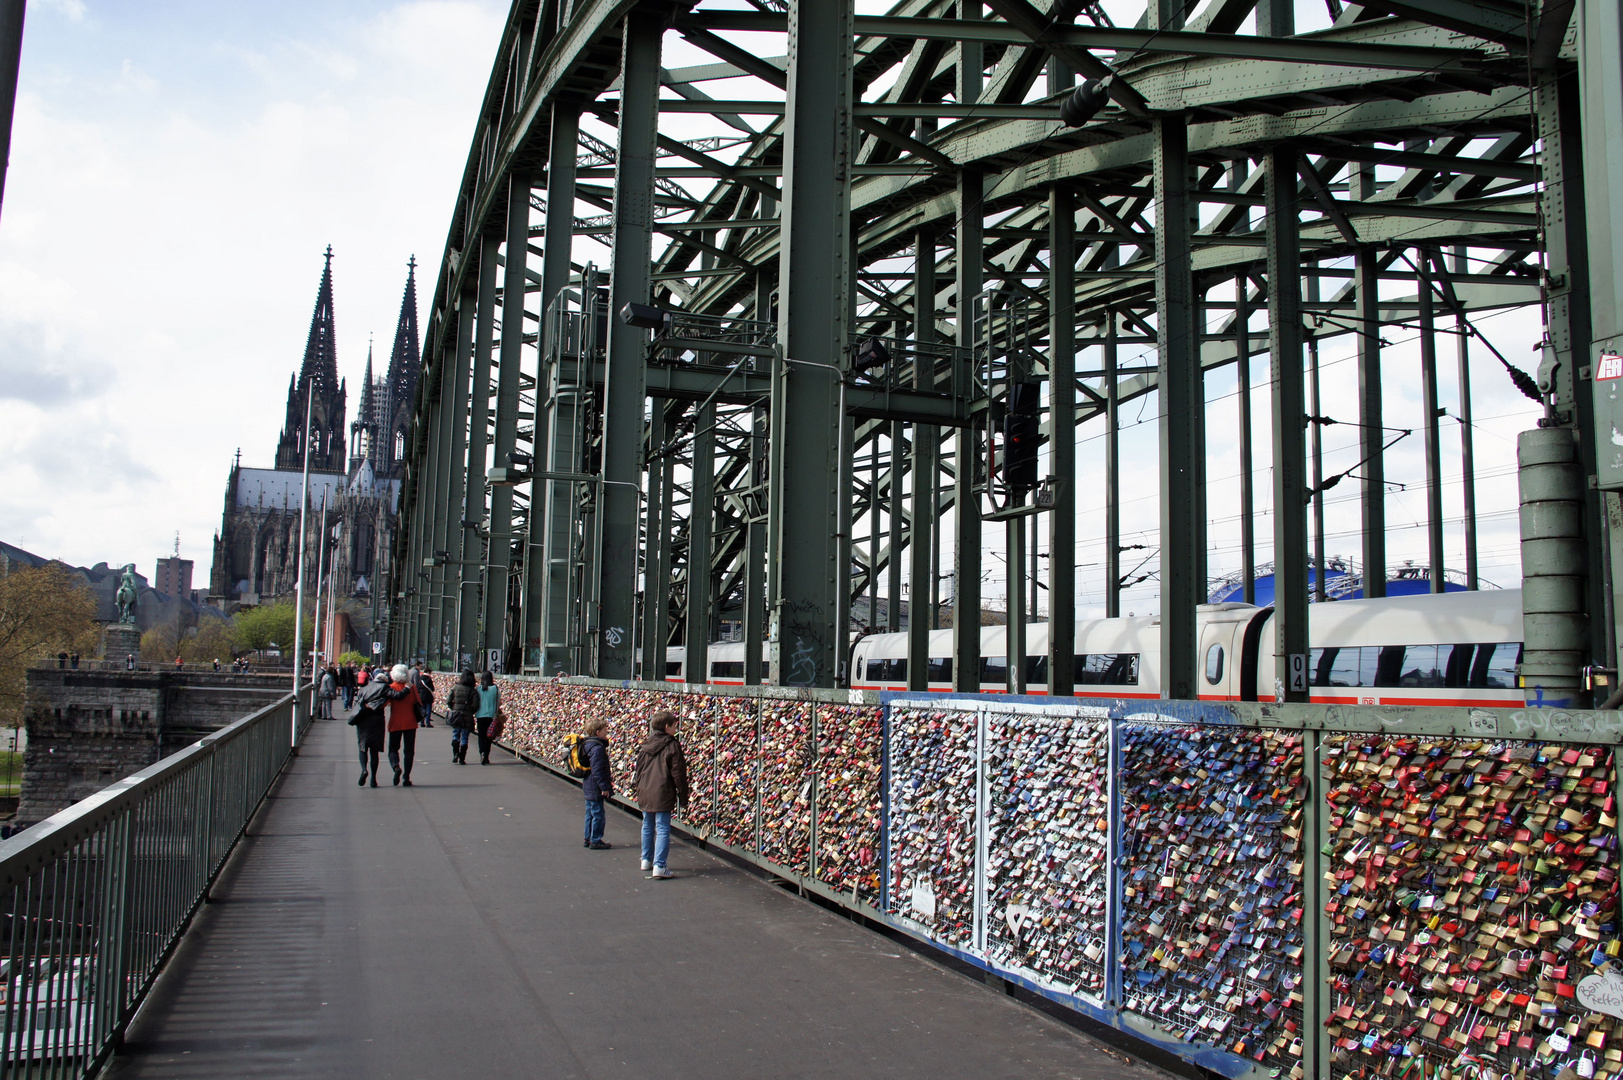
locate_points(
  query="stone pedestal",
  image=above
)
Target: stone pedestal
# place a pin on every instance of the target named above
(120, 640)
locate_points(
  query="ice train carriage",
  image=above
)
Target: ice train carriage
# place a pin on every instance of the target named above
(1458, 648)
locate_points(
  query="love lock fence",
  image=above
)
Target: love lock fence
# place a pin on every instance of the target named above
(96, 897)
(1262, 890)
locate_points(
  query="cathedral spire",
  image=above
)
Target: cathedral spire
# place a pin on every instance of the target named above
(363, 431)
(400, 383)
(320, 354)
(405, 356)
(317, 388)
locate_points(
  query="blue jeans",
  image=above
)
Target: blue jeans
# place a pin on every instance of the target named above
(656, 836)
(459, 736)
(594, 820)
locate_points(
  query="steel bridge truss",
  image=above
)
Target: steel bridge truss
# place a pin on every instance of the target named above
(882, 251)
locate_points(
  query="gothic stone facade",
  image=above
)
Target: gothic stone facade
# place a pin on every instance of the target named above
(256, 551)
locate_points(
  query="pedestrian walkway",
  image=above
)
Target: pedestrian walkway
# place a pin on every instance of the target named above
(457, 928)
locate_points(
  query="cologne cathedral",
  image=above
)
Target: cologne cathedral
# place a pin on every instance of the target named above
(256, 551)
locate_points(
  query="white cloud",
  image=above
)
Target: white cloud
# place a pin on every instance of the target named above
(162, 239)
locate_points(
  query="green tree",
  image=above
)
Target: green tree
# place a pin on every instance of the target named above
(43, 610)
(269, 624)
(215, 639)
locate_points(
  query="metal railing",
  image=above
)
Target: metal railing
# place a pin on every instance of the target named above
(95, 897)
(52, 663)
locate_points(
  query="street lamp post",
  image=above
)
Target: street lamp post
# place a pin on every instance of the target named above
(298, 591)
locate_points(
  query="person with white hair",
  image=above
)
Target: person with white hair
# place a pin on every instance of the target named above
(402, 723)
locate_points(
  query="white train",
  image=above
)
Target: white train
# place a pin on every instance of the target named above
(1459, 648)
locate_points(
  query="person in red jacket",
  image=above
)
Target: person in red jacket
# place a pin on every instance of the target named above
(402, 722)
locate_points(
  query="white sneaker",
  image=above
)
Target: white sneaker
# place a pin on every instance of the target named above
(646, 865)
(661, 872)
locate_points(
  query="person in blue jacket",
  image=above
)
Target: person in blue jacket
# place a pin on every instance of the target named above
(597, 784)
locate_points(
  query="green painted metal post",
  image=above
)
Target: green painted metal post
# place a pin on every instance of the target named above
(808, 643)
(1372, 435)
(701, 509)
(427, 580)
(457, 483)
(481, 331)
(1179, 378)
(549, 569)
(657, 561)
(755, 572)
(967, 538)
(617, 499)
(1062, 439)
(1429, 425)
(505, 435)
(921, 567)
(1289, 419)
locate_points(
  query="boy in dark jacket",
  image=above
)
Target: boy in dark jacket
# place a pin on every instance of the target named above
(662, 786)
(597, 784)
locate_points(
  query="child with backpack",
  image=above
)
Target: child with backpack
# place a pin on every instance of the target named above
(590, 753)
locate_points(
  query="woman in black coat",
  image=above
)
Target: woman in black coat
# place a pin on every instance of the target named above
(461, 703)
(370, 713)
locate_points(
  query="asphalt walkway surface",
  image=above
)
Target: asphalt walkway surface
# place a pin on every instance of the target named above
(457, 928)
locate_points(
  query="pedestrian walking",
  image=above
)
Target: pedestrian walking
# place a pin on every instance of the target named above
(369, 720)
(73, 661)
(460, 706)
(598, 784)
(346, 684)
(216, 665)
(425, 696)
(662, 786)
(490, 701)
(403, 706)
(329, 690)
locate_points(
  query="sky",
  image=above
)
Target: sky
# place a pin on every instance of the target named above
(176, 172)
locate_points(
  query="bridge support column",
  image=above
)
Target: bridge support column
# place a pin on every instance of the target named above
(921, 556)
(807, 467)
(619, 494)
(1062, 439)
(1179, 377)
(500, 558)
(472, 553)
(547, 570)
(701, 507)
(1289, 413)
(967, 443)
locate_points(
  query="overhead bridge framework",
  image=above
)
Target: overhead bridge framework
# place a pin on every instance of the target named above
(846, 295)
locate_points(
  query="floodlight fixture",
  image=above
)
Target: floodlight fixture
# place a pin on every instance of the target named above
(871, 353)
(647, 317)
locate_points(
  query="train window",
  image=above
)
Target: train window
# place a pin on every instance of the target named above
(1214, 664)
(1423, 666)
(1036, 670)
(940, 669)
(673, 667)
(994, 669)
(1500, 673)
(1106, 669)
(887, 670)
(1388, 664)
(1339, 667)
(727, 669)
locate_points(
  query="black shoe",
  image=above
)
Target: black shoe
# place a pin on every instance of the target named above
(362, 780)
(397, 778)
(374, 781)
(407, 781)
(600, 845)
(585, 843)
(484, 759)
